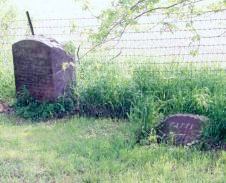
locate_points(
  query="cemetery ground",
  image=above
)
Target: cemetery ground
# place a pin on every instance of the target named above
(118, 147)
(79, 149)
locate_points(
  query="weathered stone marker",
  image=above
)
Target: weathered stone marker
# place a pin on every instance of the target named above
(43, 67)
(181, 129)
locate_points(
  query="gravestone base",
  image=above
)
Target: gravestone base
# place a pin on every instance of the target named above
(42, 67)
(181, 129)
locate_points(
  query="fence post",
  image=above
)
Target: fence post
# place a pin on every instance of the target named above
(30, 23)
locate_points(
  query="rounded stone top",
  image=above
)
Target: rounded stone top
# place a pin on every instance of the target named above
(38, 65)
(181, 129)
(50, 42)
(187, 115)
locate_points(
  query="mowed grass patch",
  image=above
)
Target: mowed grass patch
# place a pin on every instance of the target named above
(96, 150)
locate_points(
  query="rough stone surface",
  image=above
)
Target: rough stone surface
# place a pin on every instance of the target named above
(38, 65)
(181, 129)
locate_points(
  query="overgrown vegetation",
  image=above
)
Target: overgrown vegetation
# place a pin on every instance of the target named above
(7, 15)
(148, 92)
(7, 89)
(142, 93)
(30, 108)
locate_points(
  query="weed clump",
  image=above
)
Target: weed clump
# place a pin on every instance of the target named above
(30, 108)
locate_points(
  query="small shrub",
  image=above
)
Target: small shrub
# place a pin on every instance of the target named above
(70, 48)
(29, 108)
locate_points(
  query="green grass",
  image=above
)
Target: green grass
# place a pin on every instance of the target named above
(128, 88)
(103, 150)
(90, 150)
(7, 86)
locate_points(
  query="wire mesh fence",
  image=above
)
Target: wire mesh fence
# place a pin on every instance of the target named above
(157, 39)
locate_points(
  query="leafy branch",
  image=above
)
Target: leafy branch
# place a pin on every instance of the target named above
(124, 13)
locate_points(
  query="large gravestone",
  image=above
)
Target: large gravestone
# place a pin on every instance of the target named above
(181, 129)
(43, 67)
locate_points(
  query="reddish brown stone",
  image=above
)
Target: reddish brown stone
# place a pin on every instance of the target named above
(38, 65)
(181, 129)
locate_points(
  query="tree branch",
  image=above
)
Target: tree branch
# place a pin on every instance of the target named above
(77, 53)
(163, 8)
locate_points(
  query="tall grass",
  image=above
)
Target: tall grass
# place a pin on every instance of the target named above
(7, 86)
(104, 90)
(146, 93)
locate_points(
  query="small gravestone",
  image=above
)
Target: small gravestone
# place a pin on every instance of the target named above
(43, 67)
(181, 129)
